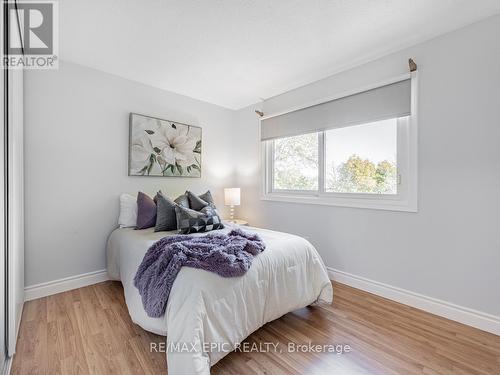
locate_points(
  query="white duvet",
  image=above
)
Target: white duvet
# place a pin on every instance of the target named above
(208, 315)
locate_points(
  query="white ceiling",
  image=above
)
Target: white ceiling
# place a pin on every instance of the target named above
(234, 52)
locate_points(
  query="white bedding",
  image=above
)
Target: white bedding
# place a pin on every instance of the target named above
(204, 308)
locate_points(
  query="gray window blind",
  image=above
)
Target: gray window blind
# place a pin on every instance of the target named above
(381, 103)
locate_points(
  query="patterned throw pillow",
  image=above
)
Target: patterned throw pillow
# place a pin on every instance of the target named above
(191, 221)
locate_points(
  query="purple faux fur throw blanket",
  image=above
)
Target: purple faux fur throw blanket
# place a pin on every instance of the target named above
(227, 255)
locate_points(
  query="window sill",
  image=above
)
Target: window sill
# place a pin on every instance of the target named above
(368, 203)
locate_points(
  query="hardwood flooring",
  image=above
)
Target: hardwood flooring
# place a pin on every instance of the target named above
(89, 331)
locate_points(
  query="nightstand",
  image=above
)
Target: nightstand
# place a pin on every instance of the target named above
(238, 222)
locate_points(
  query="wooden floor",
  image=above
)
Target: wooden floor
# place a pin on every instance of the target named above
(88, 331)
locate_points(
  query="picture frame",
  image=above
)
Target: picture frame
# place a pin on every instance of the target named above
(163, 148)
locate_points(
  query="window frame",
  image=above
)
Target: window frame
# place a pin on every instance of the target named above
(404, 200)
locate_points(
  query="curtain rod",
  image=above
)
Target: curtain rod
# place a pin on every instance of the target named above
(411, 64)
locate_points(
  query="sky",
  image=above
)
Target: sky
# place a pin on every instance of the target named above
(376, 141)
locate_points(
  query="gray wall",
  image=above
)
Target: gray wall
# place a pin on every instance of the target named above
(450, 249)
(76, 167)
(76, 152)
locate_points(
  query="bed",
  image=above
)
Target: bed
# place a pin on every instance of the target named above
(208, 315)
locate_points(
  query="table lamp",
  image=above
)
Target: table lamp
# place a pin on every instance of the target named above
(232, 198)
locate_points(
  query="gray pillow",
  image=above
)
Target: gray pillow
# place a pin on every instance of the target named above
(165, 213)
(207, 197)
(182, 200)
(191, 221)
(196, 203)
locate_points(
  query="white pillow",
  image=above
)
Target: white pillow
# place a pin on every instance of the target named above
(128, 211)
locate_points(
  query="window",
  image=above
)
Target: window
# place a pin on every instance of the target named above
(369, 164)
(295, 164)
(362, 159)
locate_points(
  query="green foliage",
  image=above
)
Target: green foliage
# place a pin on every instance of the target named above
(358, 175)
(197, 148)
(296, 162)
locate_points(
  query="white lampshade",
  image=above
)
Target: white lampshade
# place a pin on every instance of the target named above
(232, 196)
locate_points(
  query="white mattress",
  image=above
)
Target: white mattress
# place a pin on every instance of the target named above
(205, 308)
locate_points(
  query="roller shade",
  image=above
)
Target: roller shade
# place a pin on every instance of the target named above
(381, 103)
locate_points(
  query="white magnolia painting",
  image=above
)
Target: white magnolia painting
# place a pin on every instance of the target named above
(163, 148)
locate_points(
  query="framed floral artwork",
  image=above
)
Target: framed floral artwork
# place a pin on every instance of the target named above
(163, 148)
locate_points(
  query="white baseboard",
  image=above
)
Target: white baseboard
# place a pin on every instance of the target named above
(63, 285)
(486, 322)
